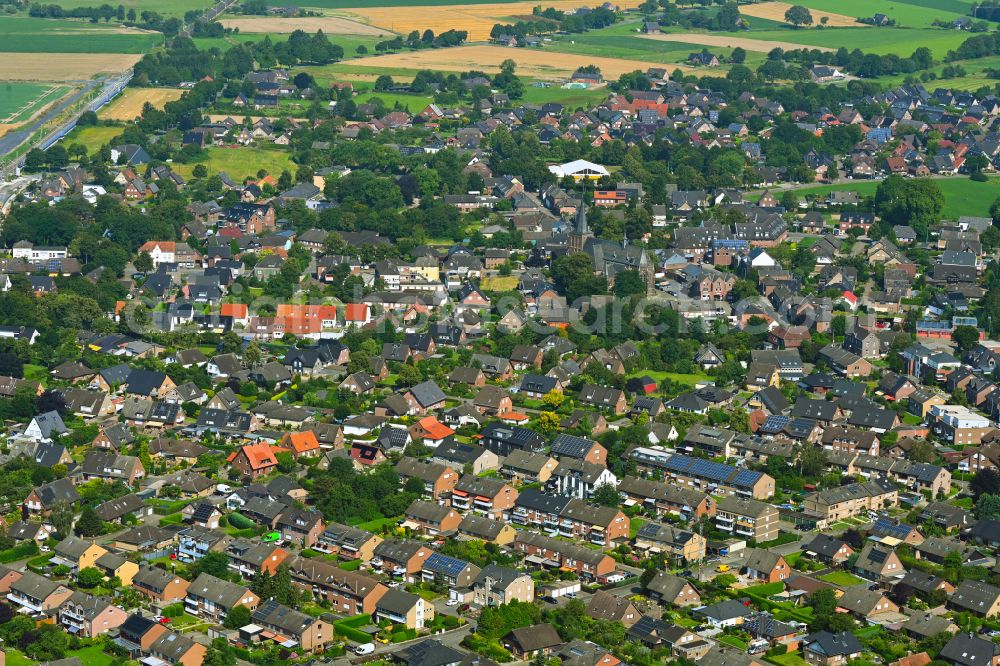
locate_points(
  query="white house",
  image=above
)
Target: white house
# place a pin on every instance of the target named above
(45, 426)
(32, 253)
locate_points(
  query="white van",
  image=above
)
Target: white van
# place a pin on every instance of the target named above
(367, 648)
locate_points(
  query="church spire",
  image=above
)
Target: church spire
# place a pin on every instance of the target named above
(581, 219)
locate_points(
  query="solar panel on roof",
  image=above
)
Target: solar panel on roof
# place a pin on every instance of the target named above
(678, 463)
(448, 565)
(746, 477)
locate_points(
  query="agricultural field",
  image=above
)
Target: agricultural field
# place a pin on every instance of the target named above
(33, 35)
(731, 41)
(636, 47)
(164, 7)
(63, 66)
(902, 41)
(128, 106)
(240, 162)
(536, 63)
(20, 101)
(962, 196)
(330, 25)
(476, 19)
(775, 11)
(906, 13)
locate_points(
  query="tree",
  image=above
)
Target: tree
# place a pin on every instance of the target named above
(824, 604)
(647, 576)
(988, 507)
(553, 399)
(916, 202)
(199, 171)
(798, 16)
(738, 56)
(985, 482)
(213, 563)
(811, 461)
(219, 653)
(143, 263)
(237, 617)
(89, 524)
(606, 494)
(995, 211)
(89, 577)
(965, 337)
(252, 355)
(574, 276)
(62, 519)
(628, 283)
(548, 422)
(286, 461)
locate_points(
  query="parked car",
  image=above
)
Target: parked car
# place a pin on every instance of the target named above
(366, 648)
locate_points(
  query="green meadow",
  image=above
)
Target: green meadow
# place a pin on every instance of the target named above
(962, 196)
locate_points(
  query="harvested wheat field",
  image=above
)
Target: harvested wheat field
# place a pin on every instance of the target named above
(63, 66)
(477, 20)
(536, 63)
(331, 25)
(128, 105)
(759, 45)
(775, 11)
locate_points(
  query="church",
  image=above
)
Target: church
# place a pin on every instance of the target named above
(609, 257)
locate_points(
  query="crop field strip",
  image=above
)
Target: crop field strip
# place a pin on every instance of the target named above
(330, 25)
(476, 19)
(20, 101)
(63, 66)
(775, 11)
(128, 106)
(21, 34)
(537, 63)
(164, 7)
(731, 40)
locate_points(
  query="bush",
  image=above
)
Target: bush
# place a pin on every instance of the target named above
(26, 549)
(240, 521)
(174, 610)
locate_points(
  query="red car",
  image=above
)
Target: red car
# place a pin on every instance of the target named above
(163, 620)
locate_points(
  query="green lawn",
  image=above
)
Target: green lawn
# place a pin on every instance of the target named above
(766, 589)
(962, 195)
(790, 659)
(241, 162)
(92, 137)
(93, 655)
(680, 378)
(793, 558)
(36, 372)
(635, 524)
(350, 565)
(18, 658)
(733, 641)
(376, 525)
(19, 101)
(843, 578)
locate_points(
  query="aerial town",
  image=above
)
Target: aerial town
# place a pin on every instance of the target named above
(326, 346)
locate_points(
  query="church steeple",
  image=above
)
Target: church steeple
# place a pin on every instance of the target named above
(581, 220)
